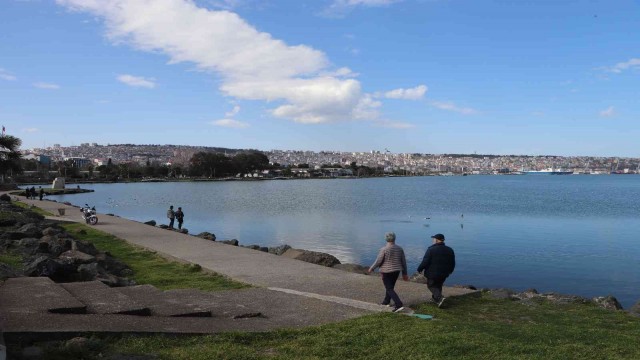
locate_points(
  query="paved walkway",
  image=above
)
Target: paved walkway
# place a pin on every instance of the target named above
(275, 273)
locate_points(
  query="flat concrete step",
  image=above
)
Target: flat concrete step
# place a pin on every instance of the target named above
(37, 295)
(102, 299)
(161, 303)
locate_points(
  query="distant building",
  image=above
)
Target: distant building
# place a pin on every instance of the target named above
(78, 162)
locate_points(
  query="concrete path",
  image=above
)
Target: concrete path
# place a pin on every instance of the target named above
(289, 277)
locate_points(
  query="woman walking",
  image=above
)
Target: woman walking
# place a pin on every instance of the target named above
(391, 261)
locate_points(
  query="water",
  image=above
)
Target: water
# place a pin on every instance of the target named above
(570, 234)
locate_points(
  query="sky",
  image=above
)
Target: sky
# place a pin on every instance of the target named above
(541, 77)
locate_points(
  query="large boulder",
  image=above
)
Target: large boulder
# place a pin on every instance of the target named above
(354, 268)
(607, 302)
(279, 250)
(50, 231)
(84, 247)
(150, 222)
(76, 257)
(233, 242)
(111, 265)
(7, 271)
(207, 236)
(31, 230)
(313, 257)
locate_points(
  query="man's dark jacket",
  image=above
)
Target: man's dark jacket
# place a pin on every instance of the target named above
(438, 262)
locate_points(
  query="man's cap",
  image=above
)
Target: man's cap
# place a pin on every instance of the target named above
(438, 237)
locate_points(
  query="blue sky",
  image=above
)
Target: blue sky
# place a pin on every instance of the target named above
(427, 76)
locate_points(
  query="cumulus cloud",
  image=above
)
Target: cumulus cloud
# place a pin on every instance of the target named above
(137, 81)
(608, 112)
(633, 64)
(252, 64)
(233, 112)
(46, 86)
(449, 106)
(230, 123)
(5, 75)
(341, 7)
(415, 93)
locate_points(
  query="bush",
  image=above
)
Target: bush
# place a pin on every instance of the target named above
(5, 197)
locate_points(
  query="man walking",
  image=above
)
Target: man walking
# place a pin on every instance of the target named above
(438, 263)
(171, 215)
(391, 261)
(180, 217)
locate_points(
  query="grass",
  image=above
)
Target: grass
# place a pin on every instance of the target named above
(35, 209)
(149, 268)
(470, 328)
(11, 259)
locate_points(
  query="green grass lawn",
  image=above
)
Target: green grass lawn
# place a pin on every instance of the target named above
(150, 268)
(470, 328)
(36, 210)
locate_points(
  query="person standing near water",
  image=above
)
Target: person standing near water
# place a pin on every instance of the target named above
(171, 215)
(41, 193)
(180, 217)
(438, 263)
(391, 261)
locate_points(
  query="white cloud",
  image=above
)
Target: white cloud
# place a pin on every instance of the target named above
(230, 123)
(46, 86)
(252, 64)
(633, 64)
(233, 112)
(137, 81)
(415, 93)
(449, 106)
(341, 7)
(608, 112)
(30, 130)
(5, 75)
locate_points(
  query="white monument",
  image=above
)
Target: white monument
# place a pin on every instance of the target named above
(58, 183)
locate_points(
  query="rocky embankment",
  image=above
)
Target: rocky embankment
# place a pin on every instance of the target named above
(47, 250)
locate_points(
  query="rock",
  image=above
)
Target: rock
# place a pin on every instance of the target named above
(88, 272)
(5, 197)
(77, 257)
(264, 249)
(29, 242)
(253, 247)
(13, 235)
(163, 226)
(31, 230)
(84, 247)
(183, 231)
(313, 257)
(233, 242)
(7, 271)
(78, 344)
(43, 247)
(207, 236)
(418, 277)
(501, 294)
(635, 309)
(354, 268)
(527, 294)
(51, 231)
(564, 299)
(150, 222)
(110, 265)
(279, 250)
(33, 268)
(607, 302)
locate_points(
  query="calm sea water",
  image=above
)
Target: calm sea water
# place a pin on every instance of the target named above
(570, 234)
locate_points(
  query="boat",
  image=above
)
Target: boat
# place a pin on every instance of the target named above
(549, 171)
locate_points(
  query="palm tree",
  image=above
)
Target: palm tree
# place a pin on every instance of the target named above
(9, 155)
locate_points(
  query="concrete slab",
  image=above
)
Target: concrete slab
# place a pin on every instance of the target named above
(102, 299)
(28, 295)
(161, 304)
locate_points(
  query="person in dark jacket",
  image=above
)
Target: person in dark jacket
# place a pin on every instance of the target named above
(180, 217)
(438, 263)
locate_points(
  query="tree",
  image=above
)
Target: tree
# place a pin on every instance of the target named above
(248, 162)
(210, 165)
(9, 155)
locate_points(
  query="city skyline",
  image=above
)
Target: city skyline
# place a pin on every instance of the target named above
(431, 77)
